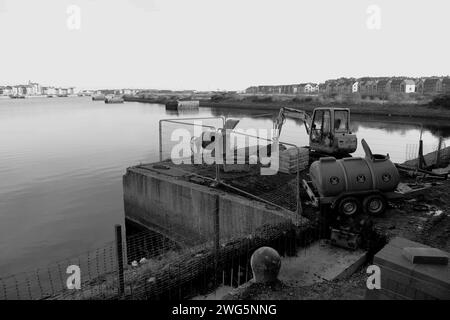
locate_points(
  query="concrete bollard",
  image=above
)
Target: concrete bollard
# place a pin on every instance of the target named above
(265, 263)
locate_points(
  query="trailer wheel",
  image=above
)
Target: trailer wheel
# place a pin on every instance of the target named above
(374, 204)
(348, 206)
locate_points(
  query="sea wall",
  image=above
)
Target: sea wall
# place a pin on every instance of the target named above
(186, 212)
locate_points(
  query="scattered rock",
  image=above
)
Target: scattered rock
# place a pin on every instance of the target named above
(161, 167)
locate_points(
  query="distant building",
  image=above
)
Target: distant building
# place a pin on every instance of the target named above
(61, 91)
(365, 86)
(251, 90)
(297, 88)
(432, 86)
(322, 87)
(50, 91)
(445, 85)
(382, 86)
(368, 87)
(355, 87)
(128, 91)
(419, 85)
(284, 89)
(19, 90)
(408, 86)
(330, 87)
(344, 87)
(34, 88)
(6, 90)
(394, 85)
(310, 88)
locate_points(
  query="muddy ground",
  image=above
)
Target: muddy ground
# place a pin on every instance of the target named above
(422, 217)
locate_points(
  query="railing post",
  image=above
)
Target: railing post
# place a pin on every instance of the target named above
(160, 140)
(119, 255)
(299, 200)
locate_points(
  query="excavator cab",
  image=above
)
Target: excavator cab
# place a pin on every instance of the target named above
(330, 131)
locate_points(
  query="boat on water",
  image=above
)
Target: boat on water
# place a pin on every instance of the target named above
(50, 96)
(17, 96)
(182, 104)
(98, 97)
(62, 95)
(114, 99)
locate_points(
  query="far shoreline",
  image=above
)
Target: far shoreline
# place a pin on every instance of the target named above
(414, 111)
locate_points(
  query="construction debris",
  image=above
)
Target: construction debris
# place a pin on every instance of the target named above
(442, 171)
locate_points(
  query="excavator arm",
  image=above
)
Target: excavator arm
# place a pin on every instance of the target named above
(294, 114)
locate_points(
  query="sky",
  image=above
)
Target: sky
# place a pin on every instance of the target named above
(219, 44)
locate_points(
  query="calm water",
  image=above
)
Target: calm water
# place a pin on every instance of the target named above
(62, 161)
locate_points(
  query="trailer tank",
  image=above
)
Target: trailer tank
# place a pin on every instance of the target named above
(358, 177)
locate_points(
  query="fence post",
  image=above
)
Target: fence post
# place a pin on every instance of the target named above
(219, 152)
(421, 159)
(438, 154)
(299, 201)
(119, 254)
(216, 238)
(160, 141)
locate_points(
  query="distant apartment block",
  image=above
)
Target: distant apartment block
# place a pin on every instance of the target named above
(308, 88)
(34, 89)
(430, 86)
(445, 85)
(365, 86)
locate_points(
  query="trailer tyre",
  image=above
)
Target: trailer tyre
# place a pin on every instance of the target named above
(348, 206)
(374, 204)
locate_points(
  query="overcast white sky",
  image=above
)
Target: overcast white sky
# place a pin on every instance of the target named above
(219, 44)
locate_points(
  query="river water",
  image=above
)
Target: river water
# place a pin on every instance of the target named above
(62, 161)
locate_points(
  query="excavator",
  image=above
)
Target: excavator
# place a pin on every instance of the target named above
(328, 129)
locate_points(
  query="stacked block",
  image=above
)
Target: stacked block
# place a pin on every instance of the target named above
(288, 160)
(411, 271)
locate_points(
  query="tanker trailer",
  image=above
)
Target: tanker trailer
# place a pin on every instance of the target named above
(353, 184)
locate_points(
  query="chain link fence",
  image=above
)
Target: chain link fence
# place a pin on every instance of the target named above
(240, 167)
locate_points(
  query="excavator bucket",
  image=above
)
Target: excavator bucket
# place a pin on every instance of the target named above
(230, 124)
